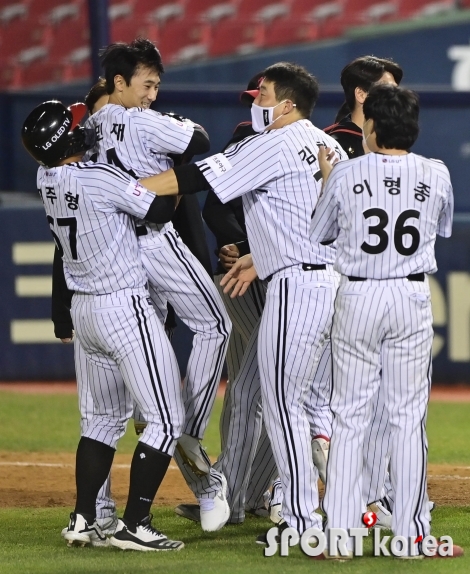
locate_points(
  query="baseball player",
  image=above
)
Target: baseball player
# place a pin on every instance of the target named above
(139, 141)
(90, 209)
(276, 173)
(187, 219)
(356, 79)
(384, 209)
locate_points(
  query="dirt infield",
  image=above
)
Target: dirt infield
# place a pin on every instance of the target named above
(44, 480)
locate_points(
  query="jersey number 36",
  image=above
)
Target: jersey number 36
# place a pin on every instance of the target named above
(398, 234)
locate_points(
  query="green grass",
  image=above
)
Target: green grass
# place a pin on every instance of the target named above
(32, 544)
(449, 433)
(30, 539)
(51, 423)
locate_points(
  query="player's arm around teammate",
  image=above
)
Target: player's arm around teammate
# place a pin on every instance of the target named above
(276, 172)
(90, 208)
(384, 210)
(137, 138)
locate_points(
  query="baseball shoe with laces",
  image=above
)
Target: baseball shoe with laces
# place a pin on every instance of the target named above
(108, 525)
(215, 512)
(142, 536)
(80, 533)
(320, 450)
(193, 455)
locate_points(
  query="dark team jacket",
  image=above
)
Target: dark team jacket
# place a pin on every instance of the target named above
(348, 135)
(227, 221)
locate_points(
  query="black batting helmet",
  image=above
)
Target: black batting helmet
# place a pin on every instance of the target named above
(52, 132)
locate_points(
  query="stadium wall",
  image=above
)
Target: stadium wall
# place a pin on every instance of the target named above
(436, 61)
(30, 351)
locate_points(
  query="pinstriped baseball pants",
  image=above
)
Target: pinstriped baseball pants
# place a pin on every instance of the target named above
(380, 327)
(294, 330)
(176, 275)
(128, 358)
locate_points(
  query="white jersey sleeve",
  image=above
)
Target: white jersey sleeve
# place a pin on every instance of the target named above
(117, 191)
(278, 175)
(244, 167)
(444, 227)
(324, 225)
(163, 134)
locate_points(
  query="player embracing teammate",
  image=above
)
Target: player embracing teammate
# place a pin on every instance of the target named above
(382, 211)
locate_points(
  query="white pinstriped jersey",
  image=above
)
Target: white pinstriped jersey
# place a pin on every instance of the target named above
(88, 206)
(138, 141)
(278, 175)
(385, 211)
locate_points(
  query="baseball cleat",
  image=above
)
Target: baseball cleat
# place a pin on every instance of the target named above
(193, 455)
(143, 537)
(384, 517)
(80, 533)
(320, 450)
(275, 513)
(108, 525)
(215, 512)
(189, 511)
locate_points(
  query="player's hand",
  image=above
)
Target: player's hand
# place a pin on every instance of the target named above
(240, 277)
(229, 255)
(326, 160)
(68, 339)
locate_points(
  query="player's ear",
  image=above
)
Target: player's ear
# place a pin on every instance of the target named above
(119, 83)
(289, 106)
(360, 95)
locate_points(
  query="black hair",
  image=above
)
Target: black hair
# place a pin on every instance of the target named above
(363, 72)
(395, 112)
(125, 59)
(97, 91)
(294, 82)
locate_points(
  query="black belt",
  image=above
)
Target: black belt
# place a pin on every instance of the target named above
(305, 267)
(411, 277)
(141, 230)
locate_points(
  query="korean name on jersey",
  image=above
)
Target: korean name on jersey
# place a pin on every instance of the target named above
(89, 208)
(385, 211)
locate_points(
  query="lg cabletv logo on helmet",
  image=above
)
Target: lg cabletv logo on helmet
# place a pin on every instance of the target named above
(337, 543)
